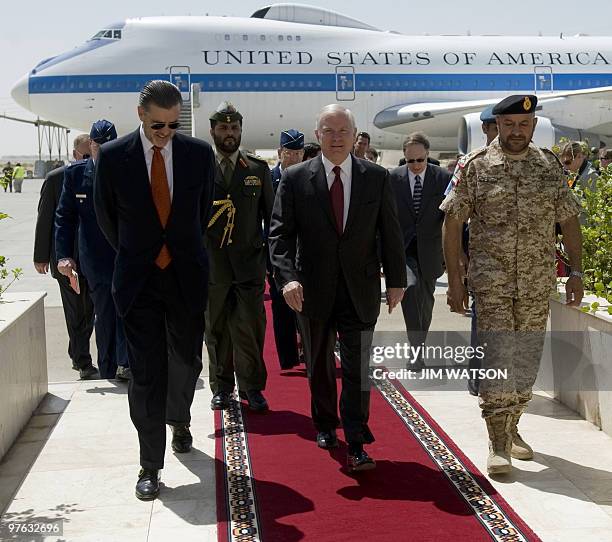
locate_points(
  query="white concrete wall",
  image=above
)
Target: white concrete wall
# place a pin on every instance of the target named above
(576, 367)
(23, 362)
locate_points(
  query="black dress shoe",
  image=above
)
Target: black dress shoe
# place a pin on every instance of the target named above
(123, 373)
(359, 460)
(327, 440)
(220, 401)
(256, 400)
(147, 487)
(417, 366)
(89, 372)
(181, 439)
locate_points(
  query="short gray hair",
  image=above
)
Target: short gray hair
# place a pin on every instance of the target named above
(335, 108)
(81, 138)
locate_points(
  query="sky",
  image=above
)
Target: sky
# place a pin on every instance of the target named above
(32, 31)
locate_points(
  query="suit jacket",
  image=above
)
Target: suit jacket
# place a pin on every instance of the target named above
(306, 247)
(128, 217)
(44, 236)
(76, 216)
(422, 232)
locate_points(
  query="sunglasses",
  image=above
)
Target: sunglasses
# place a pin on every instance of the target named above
(418, 160)
(160, 125)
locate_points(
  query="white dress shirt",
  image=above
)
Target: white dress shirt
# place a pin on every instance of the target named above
(346, 173)
(166, 152)
(411, 179)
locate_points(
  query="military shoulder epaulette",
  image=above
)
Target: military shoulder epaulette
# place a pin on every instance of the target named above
(550, 153)
(256, 157)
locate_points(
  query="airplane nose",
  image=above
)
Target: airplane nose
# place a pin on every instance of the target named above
(21, 92)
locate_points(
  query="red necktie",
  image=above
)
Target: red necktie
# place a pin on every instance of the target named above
(336, 193)
(161, 198)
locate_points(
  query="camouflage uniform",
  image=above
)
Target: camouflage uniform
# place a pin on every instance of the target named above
(513, 205)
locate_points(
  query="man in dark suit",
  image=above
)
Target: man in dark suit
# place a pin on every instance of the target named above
(153, 198)
(235, 316)
(419, 188)
(328, 214)
(78, 308)
(76, 217)
(291, 152)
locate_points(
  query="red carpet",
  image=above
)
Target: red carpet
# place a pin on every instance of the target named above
(275, 485)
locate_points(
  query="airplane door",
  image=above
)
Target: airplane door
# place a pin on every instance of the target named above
(543, 79)
(345, 83)
(181, 77)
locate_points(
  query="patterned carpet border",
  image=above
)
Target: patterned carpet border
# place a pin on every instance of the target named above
(239, 495)
(490, 514)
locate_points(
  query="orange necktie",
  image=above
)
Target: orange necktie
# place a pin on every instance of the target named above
(161, 198)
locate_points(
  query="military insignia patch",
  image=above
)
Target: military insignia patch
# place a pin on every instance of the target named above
(242, 162)
(526, 103)
(252, 180)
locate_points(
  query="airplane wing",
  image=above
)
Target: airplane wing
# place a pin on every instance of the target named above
(581, 109)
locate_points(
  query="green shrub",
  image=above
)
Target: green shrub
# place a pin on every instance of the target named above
(597, 236)
(4, 272)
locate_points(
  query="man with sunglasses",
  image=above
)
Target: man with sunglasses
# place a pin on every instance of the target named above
(235, 317)
(153, 197)
(513, 193)
(419, 188)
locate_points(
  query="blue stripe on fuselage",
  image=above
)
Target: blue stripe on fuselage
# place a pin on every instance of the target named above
(316, 82)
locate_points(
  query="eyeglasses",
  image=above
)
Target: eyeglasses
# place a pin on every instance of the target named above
(418, 160)
(160, 125)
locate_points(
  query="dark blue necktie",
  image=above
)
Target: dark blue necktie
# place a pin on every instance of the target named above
(416, 194)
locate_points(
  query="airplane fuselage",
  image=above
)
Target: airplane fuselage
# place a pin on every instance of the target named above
(279, 74)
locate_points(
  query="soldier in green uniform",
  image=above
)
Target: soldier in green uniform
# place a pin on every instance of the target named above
(235, 317)
(513, 193)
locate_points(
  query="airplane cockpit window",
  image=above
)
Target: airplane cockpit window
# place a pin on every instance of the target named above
(108, 33)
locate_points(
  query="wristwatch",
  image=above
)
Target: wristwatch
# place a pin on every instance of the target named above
(576, 274)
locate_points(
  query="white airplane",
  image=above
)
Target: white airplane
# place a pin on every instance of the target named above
(286, 61)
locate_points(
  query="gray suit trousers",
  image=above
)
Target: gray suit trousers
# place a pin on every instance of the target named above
(418, 302)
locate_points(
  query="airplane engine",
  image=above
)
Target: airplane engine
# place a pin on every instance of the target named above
(471, 136)
(546, 134)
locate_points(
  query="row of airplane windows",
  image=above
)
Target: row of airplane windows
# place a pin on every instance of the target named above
(363, 83)
(259, 37)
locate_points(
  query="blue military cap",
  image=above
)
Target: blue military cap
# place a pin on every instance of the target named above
(292, 139)
(487, 115)
(516, 104)
(102, 131)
